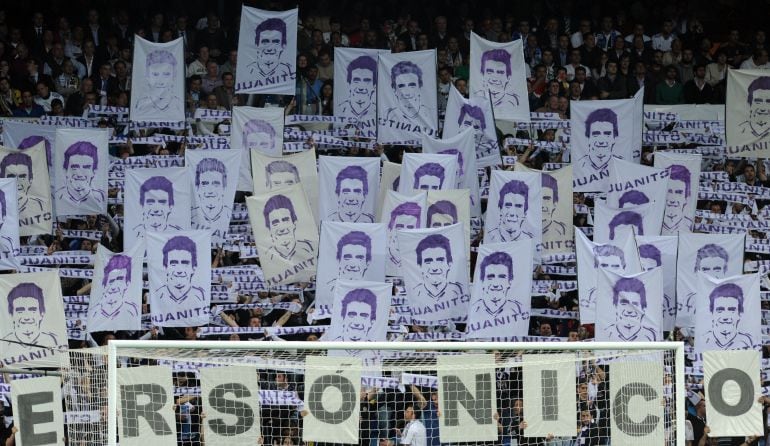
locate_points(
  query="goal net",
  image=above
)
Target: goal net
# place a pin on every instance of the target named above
(375, 394)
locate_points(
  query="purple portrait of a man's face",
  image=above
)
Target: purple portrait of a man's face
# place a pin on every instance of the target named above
(429, 176)
(115, 282)
(18, 165)
(759, 106)
(496, 71)
(156, 196)
(472, 117)
(362, 83)
(160, 71)
(359, 313)
(726, 307)
(180, 260)
(712, 259)
(351, 188)
(677, 196)
(354, 254)
(601, 129)
(496, 275)
(633, 220)
(513, 204)
(609, 257)
(281, 222)
(26, 307)
(629, 297)
(32, 141)
(270, 42)
(280, 174)
(434, 258)
(406, 82)
(258, 135)
(81, 160)
(442, 213)
(460, 162)
(650, 257)
(404, 216)
(210, 185)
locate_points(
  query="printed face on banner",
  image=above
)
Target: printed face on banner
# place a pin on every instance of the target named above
(748, 105)
(81, 156)
(33, 190)
(474, 115)
(362, 86)
(401, 212)
(348, 187)
(497, 74)
(258, 135)
(601, 129)
(270, 43)
(9, 220)
(281, 224)
(496, 79)
(550, 202)
(160, 77)
(351, 190)
(210, 185)
(357, 315)
(280, 174)
(406, 83)
(274, 173)
(156, 200)
(682, 190)
(661, 251)
(628, 320)
(267, 41)
(517, 204)
(116, 279)
(179, 264)
(428, 172)
(24, 135)
(731, 319)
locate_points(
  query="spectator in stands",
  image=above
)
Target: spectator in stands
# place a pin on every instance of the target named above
(212, 79)
(716, 71)
(28, 108)
(45, 96)
(670, 91)
(663, 40)
(612, 85)
(697, 90)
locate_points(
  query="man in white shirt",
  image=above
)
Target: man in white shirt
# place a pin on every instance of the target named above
(414, 433)
(757, 62)
(662, 40)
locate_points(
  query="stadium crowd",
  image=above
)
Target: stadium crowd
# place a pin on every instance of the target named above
(58, 61)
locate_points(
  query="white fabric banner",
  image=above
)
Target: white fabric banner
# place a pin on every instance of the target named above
(157, 81)
(435, 270)
(557, 211)
(719, 255)
(355, 87)
(22, 134)
(360, 313)
(272, 173)
(682, 190)
(423, 171)
(637, 413)
(34, 333)
(33, 187)
(447, 207)
(146, 406)
(401, 212)
(547, 402)
(631, 306)
(629, 220)
(620, 256)
(179, 267)
(661, 251)
(38, 409)
(728, 313)
(747, 127)
(156, 199)
(332, 395)
(497, 73)
(732, 385)
(467, 177)
(81, 161)
(407, 103)
(599, 131)
(389, 181)
(514, 209)
(349, 251)
(502, 287)
(635, 184)
(213, 178)
(473, 114)
(466, 388)
(259, 130)
(348, 188)
(231, 404)
(9, 225)
(285, 233)
(116, 290)
(267, 52)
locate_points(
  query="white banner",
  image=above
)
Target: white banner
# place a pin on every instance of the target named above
(719, 255)
(423, 171)
(332, 399)
(514, 209)
(146, 406)
(156, 199)
(682, 190)
(9, 225)
(81, 161)
(179, 267)
(38, 409)
(474, 114)
(348, 188)
(434, 267)
(23, 134)
(33, 333)
(467, 177)
(349, 251)
(267, 52)
(401, 212)
(620, 256)
(213, 178)
(497, 72)
(231, 404)
(547, 402)
(637, 413)
(611, 223)
(158, 81)
(33, 187)
(502, 287)
(355, 87)
(728, 313)
(557, 212)
(116, 290)
(286, 235)
(661, 251)
(359, 314)
(631, 306)
(732, 386)
(466, 388)
(407, 103)
(747, 124)
(635, 184)
(259, 130)
(389, 181)
(272, 173)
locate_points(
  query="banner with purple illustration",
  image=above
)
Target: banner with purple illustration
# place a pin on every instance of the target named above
(631, 306)
(601, 130)
(718, 255)
(33, 332)
(449, 207)
(407, 103)
(213, 176)
(435, 271)
(285, 233)
(360, 312)
(661, 251)
(635, 184)
(681, 190)
(81, 162)
(389, 180)
(620, 256)
(461, 145)
(556, 202)
(475, 114)
(501, 293)
(428, 171)
(267, 52)
(514, 208)
(272, 173)
(399, 212)
(259, 130)
(611, 223)
(348, 251)
(747, 118)
(355, 87)
(9, 224)
(33, 188)
(116, 290)
(22, 134)
(158, 81)
(158, 200)
(179, 268)
(347, 188)
(497, 73)
(728, 313)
